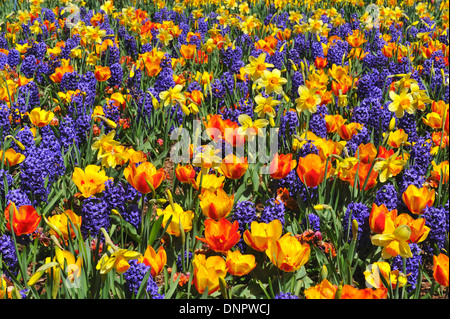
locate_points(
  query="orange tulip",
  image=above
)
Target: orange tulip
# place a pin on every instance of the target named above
(282, 165)
(102, 73)
(207, 272)
(215, 127)
(287, 253)
(417, 199)
(350, 292)
(25, 220)
(232, 135)
(332, 122)
(440, 173)
(233, 167)
(156, 260)
(381, 220)
(12, 157)
(328, 147)
(363, 175)
(220, 235)
(261, 234)
(56, 77)
(188, 51)
(239, 264)
(320, 62)
(140, 177)
(366, 153)
(185, 174)
(311, 169)
(347, 131)
(440, 269)
(324, 290)
(216, 204)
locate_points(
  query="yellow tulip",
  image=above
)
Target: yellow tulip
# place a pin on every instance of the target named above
(40, 117)
(287, 253)
(90, 181)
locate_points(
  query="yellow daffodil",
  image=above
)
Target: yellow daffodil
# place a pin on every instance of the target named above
(116, 259)
(389, 167)
(401, 102)
(394, 243)
(265, 106)
(257, 66)
(308, 100)
(272, 81)
(172, 95)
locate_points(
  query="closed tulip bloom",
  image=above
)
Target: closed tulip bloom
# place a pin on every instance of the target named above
(102, 73)
(239, 264)
(233, 167)
(207, 272)
(311, 169)
(440, 172)
(40, 117)
(417, 199)
(366, 153)
(363, 174)
(185, 174)
(156, 260)
(25, 220)
(347, 131)
(261, 233)
(287, 253)
(11, 157)
(282, 165)
(440, 269)
(180, 218)
(140, 177)
(395, 243)
(208, 181)
(221, 235)
(328, 147)
(64, 222)
(216, 204)
(397, 138)
(381, 220)
(90, 181)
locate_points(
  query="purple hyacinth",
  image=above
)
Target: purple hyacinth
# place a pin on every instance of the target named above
(133, 280)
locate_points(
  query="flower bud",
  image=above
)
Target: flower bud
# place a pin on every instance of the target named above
(355, 229)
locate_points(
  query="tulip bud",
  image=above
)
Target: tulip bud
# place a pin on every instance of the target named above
(392, 124)
(338, 292)
(115, 212)
(18, 143)
(355, 229)
(323, 273)
(223, 287)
